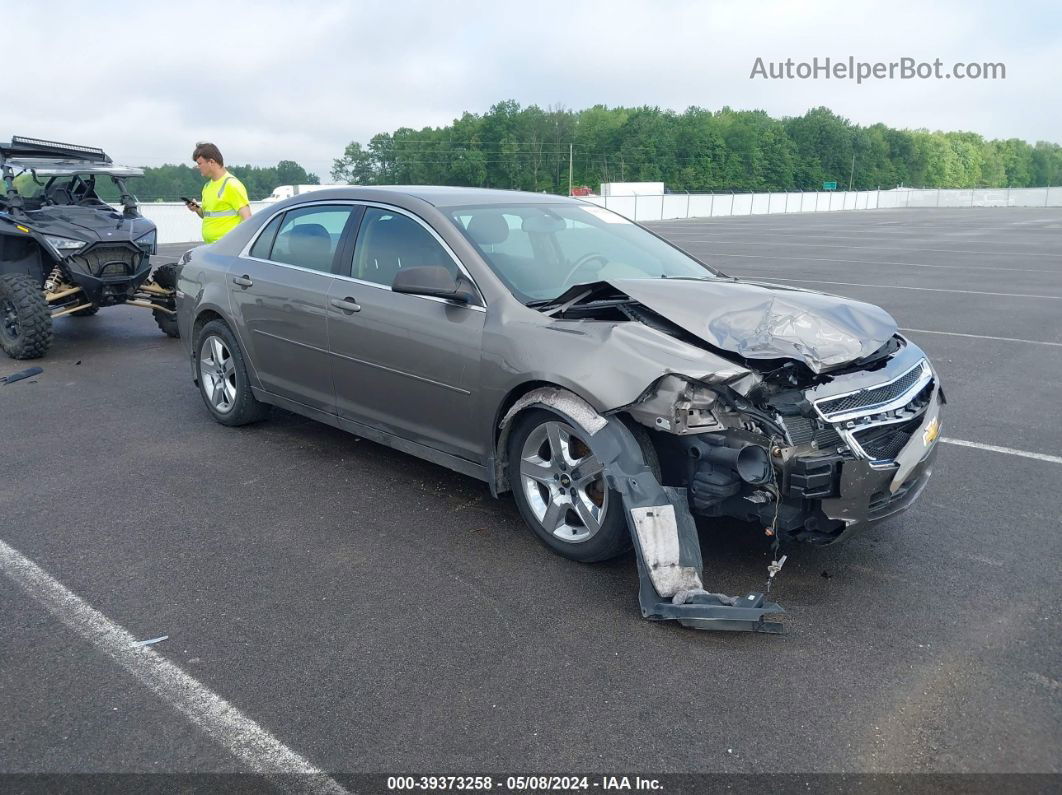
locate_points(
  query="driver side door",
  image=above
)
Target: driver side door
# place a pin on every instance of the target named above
(406, 364)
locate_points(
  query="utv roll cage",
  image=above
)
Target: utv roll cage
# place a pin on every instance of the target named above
(57, 160)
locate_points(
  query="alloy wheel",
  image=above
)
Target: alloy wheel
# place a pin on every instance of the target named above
(563, 482)
(218, 373)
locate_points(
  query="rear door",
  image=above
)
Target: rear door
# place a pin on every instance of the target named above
(408, 364)
(279, 295)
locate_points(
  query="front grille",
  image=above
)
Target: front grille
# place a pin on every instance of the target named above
(110, 261)
(114, 269)
(884, 442)
(867, 398)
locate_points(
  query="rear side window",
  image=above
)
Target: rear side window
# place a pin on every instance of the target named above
(389, 241)
(309, 237)
(264, 243)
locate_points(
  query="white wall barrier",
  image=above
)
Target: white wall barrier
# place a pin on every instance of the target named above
(672, 206)
(177, 225)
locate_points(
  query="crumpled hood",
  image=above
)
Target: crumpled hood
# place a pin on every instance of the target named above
(767, 321)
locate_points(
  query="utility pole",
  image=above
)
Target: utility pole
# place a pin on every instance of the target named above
(570, 149)
(851, 174)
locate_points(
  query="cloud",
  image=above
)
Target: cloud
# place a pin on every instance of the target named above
(270, 80)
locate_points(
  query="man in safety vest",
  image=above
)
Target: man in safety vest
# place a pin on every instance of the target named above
(225, 202)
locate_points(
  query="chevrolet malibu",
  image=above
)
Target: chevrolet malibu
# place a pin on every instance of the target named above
(497, 333)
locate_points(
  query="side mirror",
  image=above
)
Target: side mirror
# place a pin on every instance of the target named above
(434, 281)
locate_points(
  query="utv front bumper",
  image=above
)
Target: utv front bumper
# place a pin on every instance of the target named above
(109, 273)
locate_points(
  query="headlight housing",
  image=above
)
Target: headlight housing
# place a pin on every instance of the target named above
(147, 241)
(64, 245)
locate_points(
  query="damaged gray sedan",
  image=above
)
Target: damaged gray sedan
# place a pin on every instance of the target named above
(617, 386)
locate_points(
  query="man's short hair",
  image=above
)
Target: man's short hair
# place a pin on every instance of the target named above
(207, 151)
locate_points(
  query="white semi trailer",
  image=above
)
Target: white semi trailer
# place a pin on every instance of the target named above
(287, 191)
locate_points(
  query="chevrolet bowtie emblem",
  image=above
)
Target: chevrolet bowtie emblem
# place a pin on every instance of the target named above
(932, 431)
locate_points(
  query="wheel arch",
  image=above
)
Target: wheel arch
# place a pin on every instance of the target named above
(207, 314)
(22, 253)
(505, 418)
(521, 398)
(203, 317)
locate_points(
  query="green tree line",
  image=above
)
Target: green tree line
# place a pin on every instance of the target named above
(697, 150)
(170, 182)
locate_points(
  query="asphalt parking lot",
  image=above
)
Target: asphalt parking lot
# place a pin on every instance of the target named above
(376, 613)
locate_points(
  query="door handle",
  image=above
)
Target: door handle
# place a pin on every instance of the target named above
(242, 281)
(348, 304)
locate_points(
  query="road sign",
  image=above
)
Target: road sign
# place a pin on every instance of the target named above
(829, 186)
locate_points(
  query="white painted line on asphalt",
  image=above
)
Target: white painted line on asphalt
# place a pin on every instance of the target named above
(982, 337)
(1054, 459)
(862, 261)
(222, 722)
(765, 277)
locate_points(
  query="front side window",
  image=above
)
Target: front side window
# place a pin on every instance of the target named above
(389, 241)
(309, 237)
(540, 250)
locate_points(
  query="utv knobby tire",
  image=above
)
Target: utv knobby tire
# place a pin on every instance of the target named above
(165, 276)
(25, 319)
(245, 408)
(167, 323)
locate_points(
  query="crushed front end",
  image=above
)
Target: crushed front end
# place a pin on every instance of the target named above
(809, 457)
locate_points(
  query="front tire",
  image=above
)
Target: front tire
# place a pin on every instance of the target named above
(559, 487)
(165, 276)
(25, 319)
(167, 323)
(222, 376)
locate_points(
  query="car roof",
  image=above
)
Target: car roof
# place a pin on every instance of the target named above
(442, 195)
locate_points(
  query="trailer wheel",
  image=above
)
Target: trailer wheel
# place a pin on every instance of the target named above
(25, 319)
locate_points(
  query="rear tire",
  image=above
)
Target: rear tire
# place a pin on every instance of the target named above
(559, 487)
(222, 375)
(25, 318)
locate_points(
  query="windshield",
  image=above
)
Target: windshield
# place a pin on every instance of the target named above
(26, 186)
(68, 189)
(540, 250)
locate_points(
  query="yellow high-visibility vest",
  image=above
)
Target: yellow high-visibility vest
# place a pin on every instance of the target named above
(222, 200)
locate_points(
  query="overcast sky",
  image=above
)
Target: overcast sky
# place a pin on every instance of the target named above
(269, 81)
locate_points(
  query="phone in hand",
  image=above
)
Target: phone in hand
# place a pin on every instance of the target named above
(186, 200)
